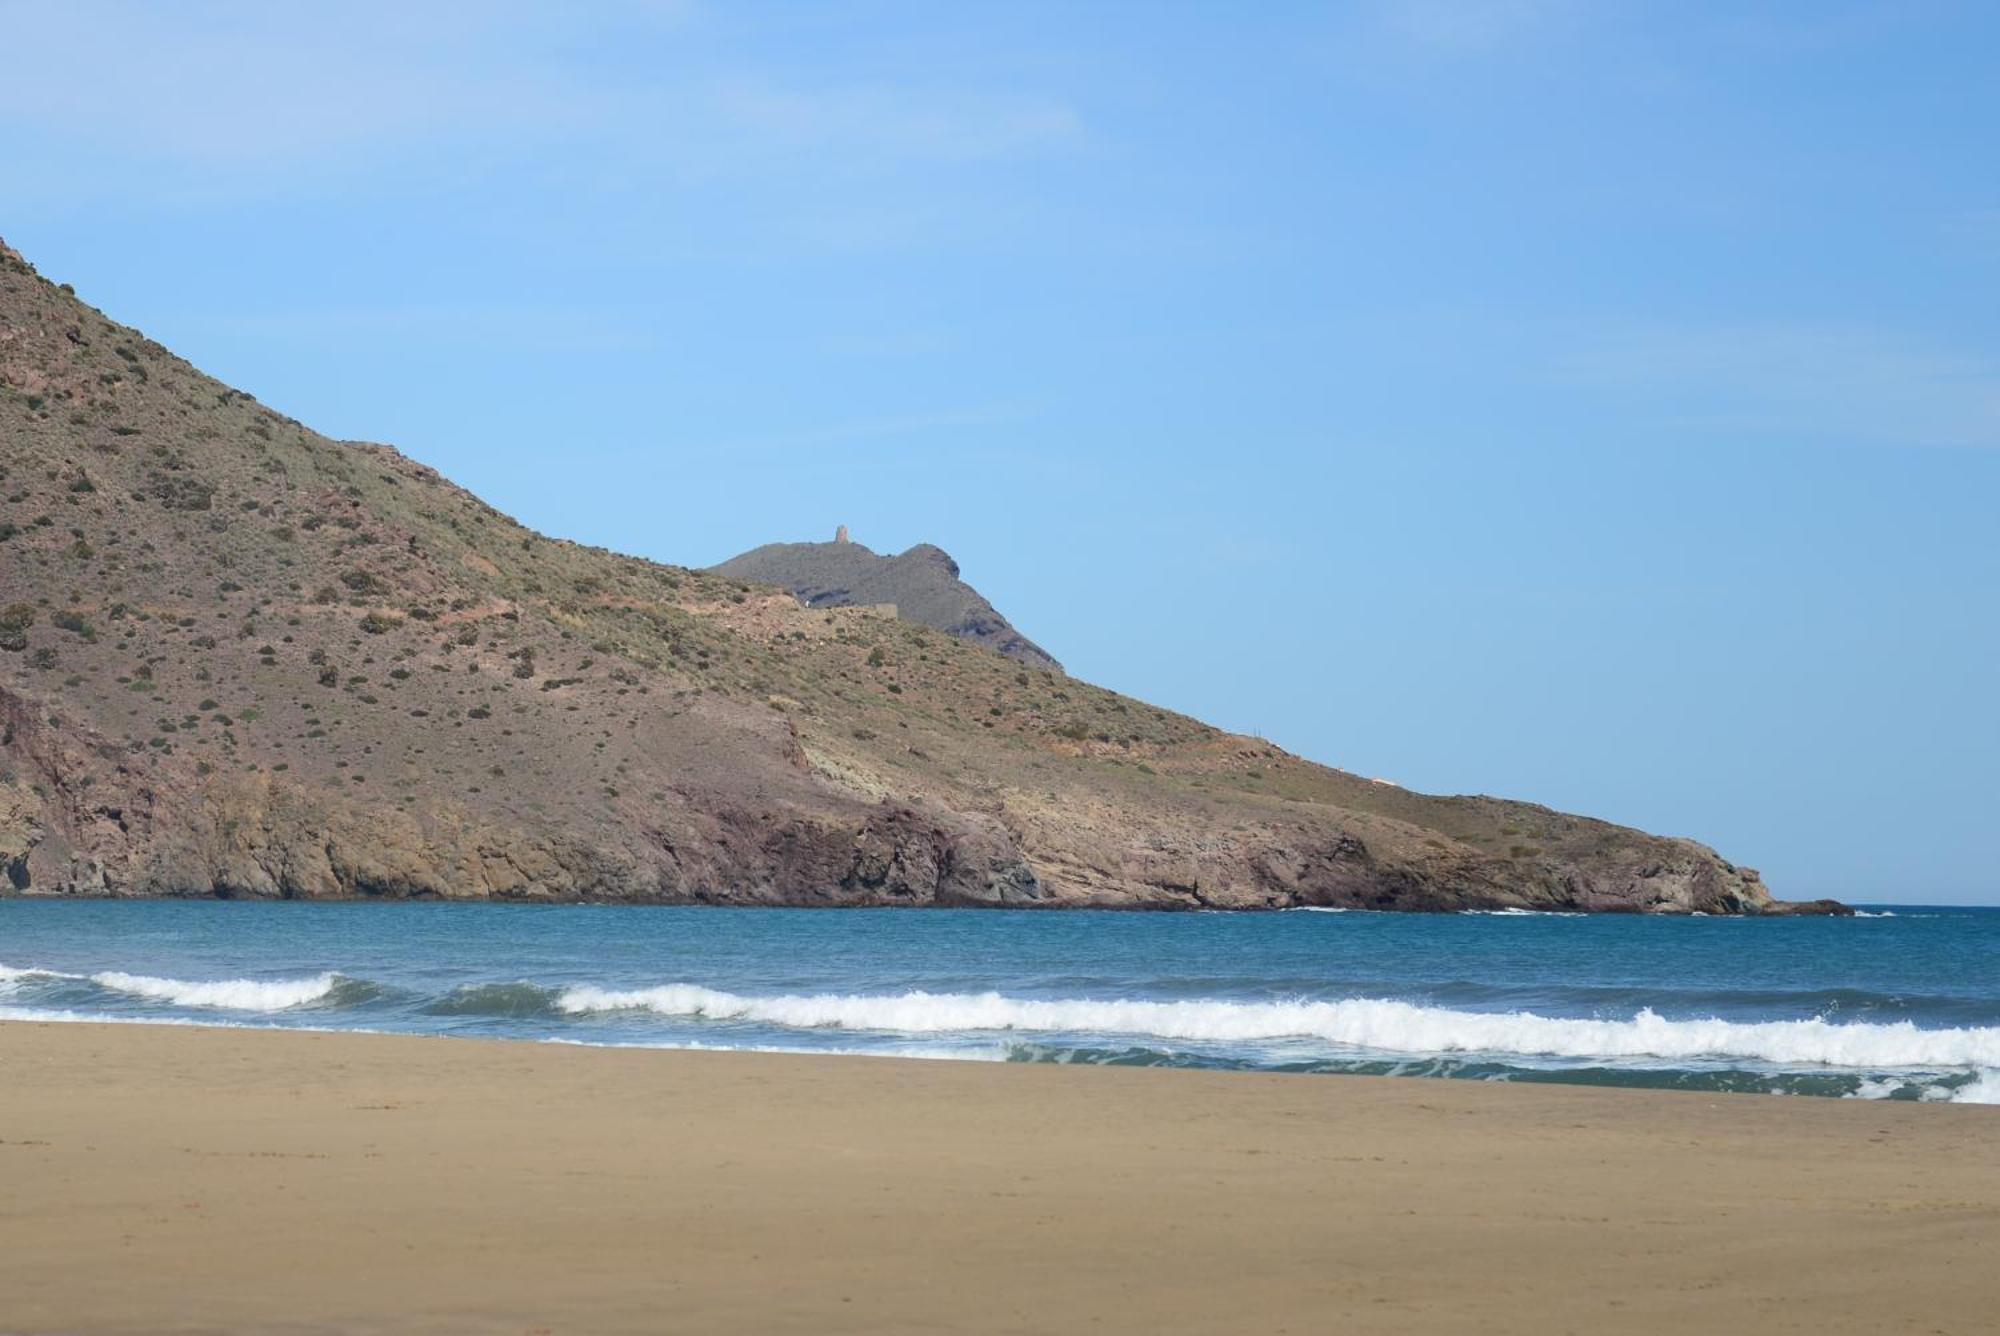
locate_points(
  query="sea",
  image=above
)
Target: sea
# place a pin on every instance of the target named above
(1899, 1002)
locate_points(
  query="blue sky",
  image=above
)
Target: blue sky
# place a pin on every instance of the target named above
(1596, 404)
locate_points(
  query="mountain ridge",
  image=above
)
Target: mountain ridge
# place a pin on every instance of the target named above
(922, 583)
(238, 658)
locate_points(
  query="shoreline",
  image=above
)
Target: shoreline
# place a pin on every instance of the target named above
(164, 1177)
(42, 1017)
(1777, 909)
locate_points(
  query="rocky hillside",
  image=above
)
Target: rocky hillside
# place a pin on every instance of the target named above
(240, 659)
(921, 584)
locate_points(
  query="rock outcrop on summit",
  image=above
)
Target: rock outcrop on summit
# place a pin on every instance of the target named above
(921, 584)
(238, 658)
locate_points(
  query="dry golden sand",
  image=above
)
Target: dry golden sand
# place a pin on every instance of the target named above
(161, 1179)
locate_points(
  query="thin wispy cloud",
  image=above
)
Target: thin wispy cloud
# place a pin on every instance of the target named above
(244, 84)
(264, 101)
(1795, 381)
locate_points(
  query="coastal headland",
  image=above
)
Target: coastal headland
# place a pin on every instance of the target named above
(241, 659)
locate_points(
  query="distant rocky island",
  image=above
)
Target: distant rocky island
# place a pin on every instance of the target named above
(921, 584)
(238, 658)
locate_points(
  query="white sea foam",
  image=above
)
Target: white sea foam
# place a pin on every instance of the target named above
(228, 994)
(40, 1014)
(1375, 1025)
(937, 1052)
(1875, 913)
(55, 1015)
(1888, 1087)
(1982, 1089)
(1515, 911)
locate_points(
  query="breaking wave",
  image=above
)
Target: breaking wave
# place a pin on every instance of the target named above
(226, 994)
(1375, 1025)
(1514, 911)
(327, 989)
(1984, 1088)
(496, 999)
(12, 977)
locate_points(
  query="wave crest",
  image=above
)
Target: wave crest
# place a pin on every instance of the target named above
(225, 994)
(1383, 1026)
(495, 999)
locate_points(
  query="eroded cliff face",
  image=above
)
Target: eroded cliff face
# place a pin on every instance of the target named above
(81, 815)
(240, 659)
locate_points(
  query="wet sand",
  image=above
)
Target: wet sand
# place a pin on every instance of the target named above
(163, 1179)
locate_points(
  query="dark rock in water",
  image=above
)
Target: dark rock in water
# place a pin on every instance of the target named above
(921, 584)
(1832, 908)
(238, 658)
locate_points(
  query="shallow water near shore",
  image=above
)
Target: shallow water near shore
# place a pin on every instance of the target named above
(1902, 1004)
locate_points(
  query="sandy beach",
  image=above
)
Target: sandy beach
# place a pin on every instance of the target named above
(184, 1179)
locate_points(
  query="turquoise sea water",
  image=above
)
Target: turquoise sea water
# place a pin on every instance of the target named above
(1903, 1003)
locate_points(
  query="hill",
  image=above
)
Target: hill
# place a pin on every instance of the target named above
(921, 584)
(238, 658)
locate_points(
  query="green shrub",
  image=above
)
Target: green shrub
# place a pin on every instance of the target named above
(178, 493)
(15, 619)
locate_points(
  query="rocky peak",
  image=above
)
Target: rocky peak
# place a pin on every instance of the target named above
(930, 554)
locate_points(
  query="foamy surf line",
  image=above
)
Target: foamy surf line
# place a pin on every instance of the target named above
(1367, 1024)
(226, 994)
(1962, 1064)
(223, 994)
(1959, 1086)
